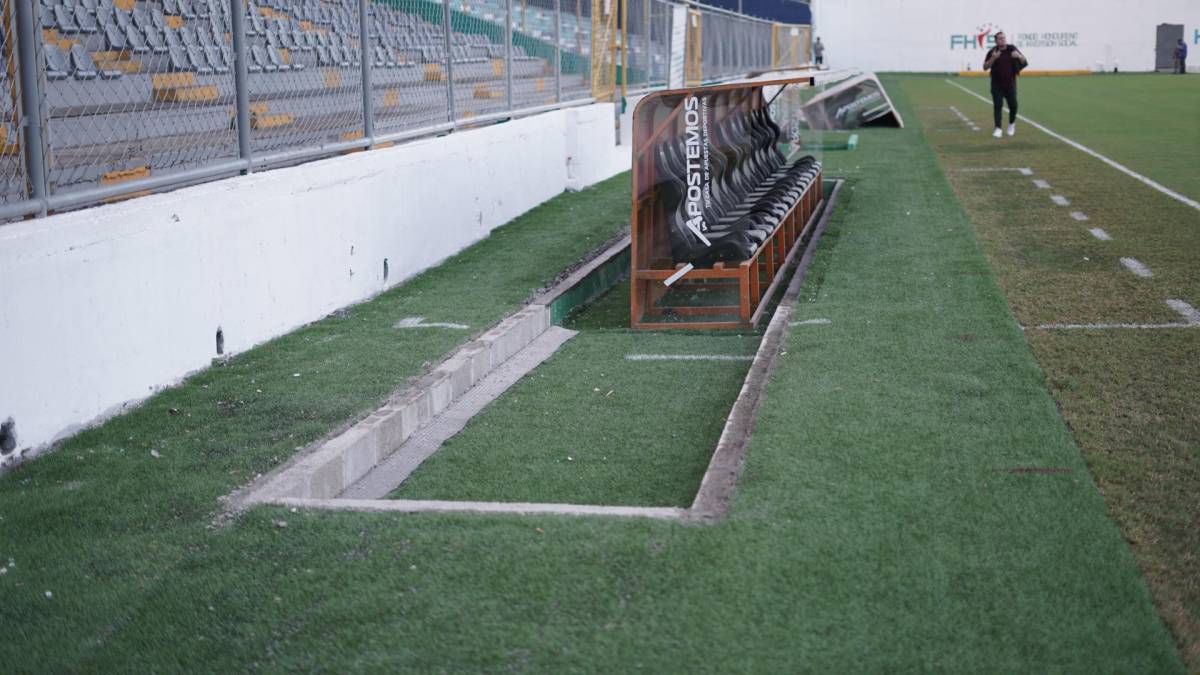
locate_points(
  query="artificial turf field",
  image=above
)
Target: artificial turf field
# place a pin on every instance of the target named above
(887, 519)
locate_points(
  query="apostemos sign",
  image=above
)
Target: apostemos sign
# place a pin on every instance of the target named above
(984, 37)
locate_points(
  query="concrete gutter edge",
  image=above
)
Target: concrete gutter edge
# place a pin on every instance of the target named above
(716, 491)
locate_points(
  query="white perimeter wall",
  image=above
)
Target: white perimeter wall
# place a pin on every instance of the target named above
(917, 35)
(102, 307)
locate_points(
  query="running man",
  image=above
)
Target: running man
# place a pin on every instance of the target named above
(1005, 61)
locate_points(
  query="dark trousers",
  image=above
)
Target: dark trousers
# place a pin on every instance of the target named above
(999, 96)
(1182, 66)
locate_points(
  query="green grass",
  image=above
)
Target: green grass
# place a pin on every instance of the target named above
(589, 427)
(1143, 121)
(1127, 395)
(876, 527)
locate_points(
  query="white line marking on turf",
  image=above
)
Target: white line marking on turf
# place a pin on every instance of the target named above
(811, 322)
(1082, 148)
(1100, 234)
(1135, 266)
(1111, 326)
(1188, 312)
(1025, 171)
(1191, 319)
(1079, 215)
(678, 275)
(686, 357)
(1041, 183)
(1060, 200)
(419, 322)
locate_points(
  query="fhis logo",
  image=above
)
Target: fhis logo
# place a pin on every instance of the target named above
(984, 37)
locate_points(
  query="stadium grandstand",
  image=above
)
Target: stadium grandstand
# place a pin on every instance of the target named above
(147, 93)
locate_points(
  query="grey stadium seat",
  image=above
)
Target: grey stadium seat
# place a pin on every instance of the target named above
(57, 67)
(179, 59)
(199, 60)
(83, 63)
(85, 21)
(216, 59)
(135, 41)
(155, 40)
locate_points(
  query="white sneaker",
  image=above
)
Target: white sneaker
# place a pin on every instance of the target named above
(1012, 129)
(997, 133)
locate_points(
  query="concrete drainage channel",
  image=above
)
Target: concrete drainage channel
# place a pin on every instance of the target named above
(355, 469)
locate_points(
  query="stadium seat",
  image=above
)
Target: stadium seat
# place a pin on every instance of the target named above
(64, 20)
(155, 40)
(114, 38)
(84, 20)
(259, 63)
(216, 59)
(85, 67)
(199, 60)
(57, 67)
(135, 41)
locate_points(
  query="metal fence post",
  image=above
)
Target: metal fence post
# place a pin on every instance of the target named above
(364, 39)
(241, 96)
(446, 31)
(31, 103)
(508, 53)
(558, 51)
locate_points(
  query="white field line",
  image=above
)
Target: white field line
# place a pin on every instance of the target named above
(966, 120)
(1041, 184)
(1060, 200)
(1185, 310)
(1082, 148)
(678, 275)
(419, 322)
(503, 508)
(1024, 171)
(1079, 215)
(686, 357)
(1112, 326)
(1134, 265)
(811, 322)
(1190, 315)
(1100, 234)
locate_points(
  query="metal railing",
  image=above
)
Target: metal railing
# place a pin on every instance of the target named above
(108, 99)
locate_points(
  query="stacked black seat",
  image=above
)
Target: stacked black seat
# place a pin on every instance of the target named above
(750, 189)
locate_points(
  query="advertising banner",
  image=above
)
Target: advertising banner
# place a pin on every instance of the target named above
(856, 102)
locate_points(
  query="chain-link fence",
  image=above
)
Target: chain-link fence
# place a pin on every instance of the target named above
(791, 45)
(733, 45)
(647, 44)
(137, 95)
(575, 53)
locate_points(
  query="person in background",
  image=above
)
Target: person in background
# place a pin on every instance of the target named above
(819, 51)
(1181, 57)
(1005, 61)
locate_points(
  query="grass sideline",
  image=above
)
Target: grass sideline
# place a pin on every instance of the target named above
(1127, 395)
(876, 527)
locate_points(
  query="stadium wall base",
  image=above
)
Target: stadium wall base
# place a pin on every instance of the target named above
(101, 308)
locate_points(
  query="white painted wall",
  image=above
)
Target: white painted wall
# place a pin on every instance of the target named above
(102, 307)
(917, 35)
